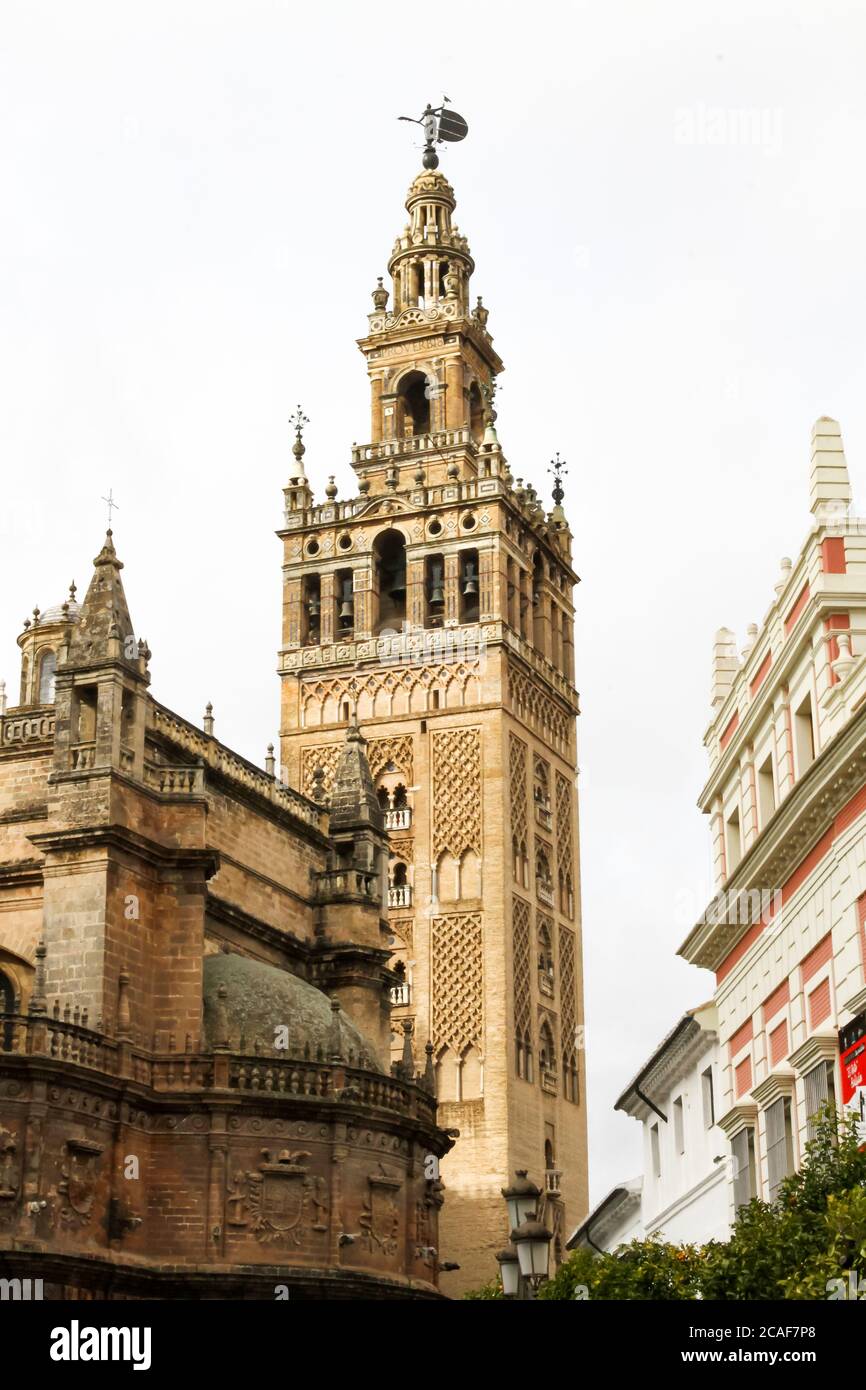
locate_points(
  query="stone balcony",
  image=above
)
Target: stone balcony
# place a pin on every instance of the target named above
(399, 819)
(400, 896)
(544, 891)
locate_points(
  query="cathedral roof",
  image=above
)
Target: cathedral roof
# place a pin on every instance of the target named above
(260, 998)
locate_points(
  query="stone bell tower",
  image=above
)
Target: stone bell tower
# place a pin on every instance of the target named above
(435, 607)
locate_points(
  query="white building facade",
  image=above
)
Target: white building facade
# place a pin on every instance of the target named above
(786, 798)
(675, 1097)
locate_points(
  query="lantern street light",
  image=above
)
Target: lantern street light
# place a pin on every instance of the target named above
(509, 1271)
(532, 1241)
(524, 1263)
(522, 1198)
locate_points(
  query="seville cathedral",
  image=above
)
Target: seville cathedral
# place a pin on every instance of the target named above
(246, 1012)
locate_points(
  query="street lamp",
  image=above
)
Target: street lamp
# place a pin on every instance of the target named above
(532, 1241)
(509, 1271)
(522, 1198)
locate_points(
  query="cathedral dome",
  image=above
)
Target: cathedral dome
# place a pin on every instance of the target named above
(261, 998)
(61, 613)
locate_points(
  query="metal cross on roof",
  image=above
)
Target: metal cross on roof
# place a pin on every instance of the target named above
(112, 505)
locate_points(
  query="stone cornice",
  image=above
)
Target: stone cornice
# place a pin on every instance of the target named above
(126, 841)
(821, 1047)
(668, 1063)
(775, 1085)
(799, 823)
(745, 1112)
(22, 873)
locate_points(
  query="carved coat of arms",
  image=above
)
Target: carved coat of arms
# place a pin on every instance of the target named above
(79, 1170)
(285, 1201)
(380, 1215)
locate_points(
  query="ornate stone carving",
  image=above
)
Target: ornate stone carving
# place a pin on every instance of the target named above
(567, 995)
(536, 709)
(517, 786)
(521, 946)
(456, 792)
(380, 752)
(10, 1173)
(282, 1202)
(79, 1171)
(564, 833)
(380, 1215)
(458, 1015)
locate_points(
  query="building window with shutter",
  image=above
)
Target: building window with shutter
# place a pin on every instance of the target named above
(745, 1167)
(655, 1149)
(780, 1143)
(679, 1127)
(820, 1086)
(709, 1101)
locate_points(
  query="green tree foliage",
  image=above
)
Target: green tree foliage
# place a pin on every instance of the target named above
(814, 1232)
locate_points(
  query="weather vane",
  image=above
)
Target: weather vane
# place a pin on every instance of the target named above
(558, 467)
(299, 419)
(438, 124)
(112, 505)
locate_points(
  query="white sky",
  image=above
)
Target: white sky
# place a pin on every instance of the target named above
(196, 201)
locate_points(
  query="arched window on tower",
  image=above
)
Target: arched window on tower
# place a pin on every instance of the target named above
(25, 672)
(399, 890)
(476, 413)
(547, 1057)
(47, 667)
(469, 598)
(546, 974)
(414, 405)
(539, 604)
(311, 617)
(434, 590)
(389, 559)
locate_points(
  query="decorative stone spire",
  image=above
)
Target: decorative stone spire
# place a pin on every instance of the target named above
(829, 484)
(429, 1069)
(725, 665)
(407, 1062)
(104, 616)
(38, 1002)
(353, 798)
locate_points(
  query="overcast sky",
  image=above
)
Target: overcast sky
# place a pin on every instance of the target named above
(666, 207)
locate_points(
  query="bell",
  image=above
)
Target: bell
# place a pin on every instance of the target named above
(314, 607)
(437, 594)
(470, 586)
(398, 588)
(347, 612)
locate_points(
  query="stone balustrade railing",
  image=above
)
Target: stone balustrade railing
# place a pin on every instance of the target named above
(82, 756)
(414, 444)
(34, 726)
(175, 781)
(55, 1040)
(232, 766)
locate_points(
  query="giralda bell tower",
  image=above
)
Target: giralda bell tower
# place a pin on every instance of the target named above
(436, 607)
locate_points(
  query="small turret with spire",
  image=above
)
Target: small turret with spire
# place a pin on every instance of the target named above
(298, 494)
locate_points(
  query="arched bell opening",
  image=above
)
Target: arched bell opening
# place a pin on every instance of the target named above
(389, 561)
(476, 413)
(413, 405)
